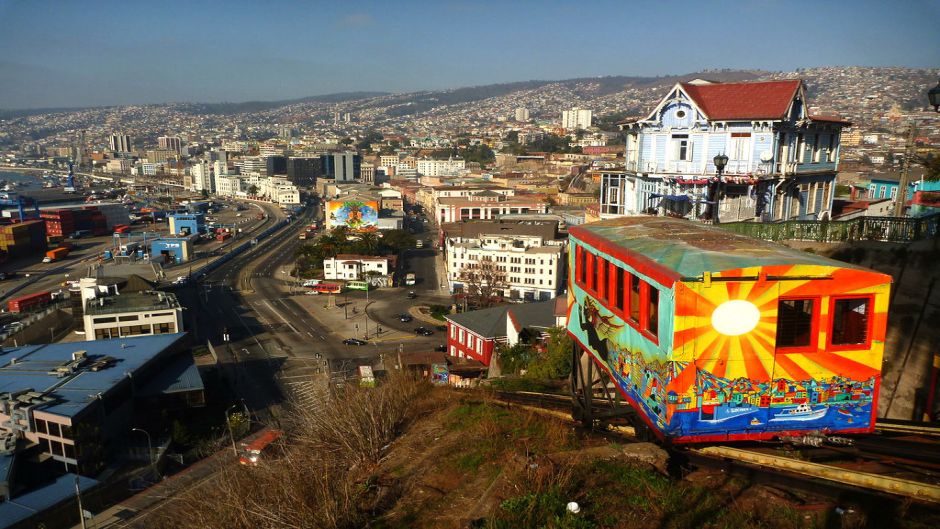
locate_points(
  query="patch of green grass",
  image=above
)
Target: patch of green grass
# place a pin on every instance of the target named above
(471, 413)
(537, 510)
(470, 461)
(515, 383)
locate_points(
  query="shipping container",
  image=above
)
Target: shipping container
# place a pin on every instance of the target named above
(55, 255)
(30, 302)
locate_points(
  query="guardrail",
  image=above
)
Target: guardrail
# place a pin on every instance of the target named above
(888, 229)
(238, 250)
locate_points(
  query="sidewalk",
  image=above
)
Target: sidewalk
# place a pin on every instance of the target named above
(125, 513)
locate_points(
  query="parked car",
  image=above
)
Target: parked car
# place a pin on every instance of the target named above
(411, 294)
(11, 328)
(441, 348)
(6, 275)
(404, 318)
(423, 331)
(354, 341)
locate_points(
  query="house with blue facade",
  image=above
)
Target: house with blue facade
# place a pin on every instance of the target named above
(782, 161)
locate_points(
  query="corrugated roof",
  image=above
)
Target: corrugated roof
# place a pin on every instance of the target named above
(538, 314)
(488, 323)
(26, 505)
(759, 100)
(33, 363)
(678, 248)
(179, 375)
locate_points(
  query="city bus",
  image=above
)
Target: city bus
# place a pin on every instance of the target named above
(326, 288)
(357, 285)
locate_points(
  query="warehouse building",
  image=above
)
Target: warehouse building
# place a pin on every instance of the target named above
(187, 223)
(172, 250)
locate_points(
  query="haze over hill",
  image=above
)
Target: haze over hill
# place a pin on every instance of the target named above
(853, 92)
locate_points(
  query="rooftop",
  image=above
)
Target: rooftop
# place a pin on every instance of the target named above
(132, 302)
(474, 229)
(677, 249)
(33, 368)
(491, 322)
(26, 505)
(755, 100)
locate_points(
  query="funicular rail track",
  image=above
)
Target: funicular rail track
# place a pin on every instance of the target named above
(901, 460)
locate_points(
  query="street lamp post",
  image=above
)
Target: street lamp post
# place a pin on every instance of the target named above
(228, 423)
(715, 193)
(153, 463)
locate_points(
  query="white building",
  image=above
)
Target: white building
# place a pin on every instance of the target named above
(278, 190)
(576, 118)
(148, 169)
(202, 179)
(120, 143)
(352, 267)
(522, 114)
(229, 185)
(529, 264)
(131, 314)
(449, 167)
(254, 165)
(170, 143)
(120, 165)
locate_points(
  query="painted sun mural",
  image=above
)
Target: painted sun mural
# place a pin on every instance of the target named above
(747, 353)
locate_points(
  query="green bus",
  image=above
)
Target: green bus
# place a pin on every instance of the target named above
(357, 285)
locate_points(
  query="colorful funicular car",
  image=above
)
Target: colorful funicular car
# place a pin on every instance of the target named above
(712, 336)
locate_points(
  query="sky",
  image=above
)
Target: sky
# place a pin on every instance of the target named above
(69, 53)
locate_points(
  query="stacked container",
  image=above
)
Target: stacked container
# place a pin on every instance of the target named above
(22, 239)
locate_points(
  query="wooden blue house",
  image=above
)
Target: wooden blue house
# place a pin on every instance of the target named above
(782, 162)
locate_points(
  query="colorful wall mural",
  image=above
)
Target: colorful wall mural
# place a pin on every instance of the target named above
(354, 214)
(746, 353)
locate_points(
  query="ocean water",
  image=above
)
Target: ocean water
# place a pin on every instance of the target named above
(26, 181)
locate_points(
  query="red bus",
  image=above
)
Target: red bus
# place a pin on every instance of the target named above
(327, 288)
(251, 450)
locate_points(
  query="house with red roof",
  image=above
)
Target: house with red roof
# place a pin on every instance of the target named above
(781, 160)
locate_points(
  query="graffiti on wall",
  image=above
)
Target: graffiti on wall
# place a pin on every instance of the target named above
(353, 214)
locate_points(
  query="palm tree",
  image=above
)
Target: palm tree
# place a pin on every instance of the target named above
(369, 241)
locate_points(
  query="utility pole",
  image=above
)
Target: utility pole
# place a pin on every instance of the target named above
(901, 198)
(78, 496)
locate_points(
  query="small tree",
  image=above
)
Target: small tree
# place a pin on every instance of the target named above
(484, 282)
(554, 360)
(253, 190)
(514, 359)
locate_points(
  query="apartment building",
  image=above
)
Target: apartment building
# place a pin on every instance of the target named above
(486, 205)
(449, 167)
(576, 118)
(526, 258)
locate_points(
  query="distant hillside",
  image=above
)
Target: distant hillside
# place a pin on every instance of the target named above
(258, 106)
(210, 108)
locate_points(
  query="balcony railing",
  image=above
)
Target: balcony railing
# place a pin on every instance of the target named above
(889, 229)
(734, 167)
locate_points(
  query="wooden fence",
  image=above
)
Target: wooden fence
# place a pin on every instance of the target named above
(889, 229)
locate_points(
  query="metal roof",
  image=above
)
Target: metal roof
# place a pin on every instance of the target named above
(26, 505)
(683, 249)
(29, 367)
(179, 375)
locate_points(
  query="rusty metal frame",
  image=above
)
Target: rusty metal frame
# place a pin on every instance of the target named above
(595, 400)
